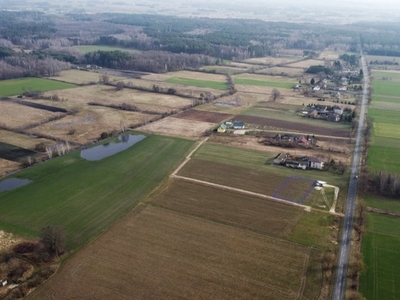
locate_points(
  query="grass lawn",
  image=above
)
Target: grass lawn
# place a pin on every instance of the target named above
(388, 88)
(86, 197)
(387, 130)
(93, 48)
(384, 116)
(379, 74)
(384, 158)
(381, 251)
(384, 203)
(199, 83)
(276, 84)
(376, 98)
(14, 87)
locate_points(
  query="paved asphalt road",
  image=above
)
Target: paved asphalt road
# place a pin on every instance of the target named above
(341, 275)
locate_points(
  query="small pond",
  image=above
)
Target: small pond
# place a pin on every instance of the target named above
(13, 183)
(99, 152)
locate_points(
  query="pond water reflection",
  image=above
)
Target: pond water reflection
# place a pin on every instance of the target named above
(13, 183)
(102, 151)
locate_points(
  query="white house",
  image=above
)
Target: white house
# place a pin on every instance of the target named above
(315, 163)
(338, 110)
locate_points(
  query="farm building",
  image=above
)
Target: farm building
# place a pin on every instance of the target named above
(221, 128)
(238, 125)
(299, 162)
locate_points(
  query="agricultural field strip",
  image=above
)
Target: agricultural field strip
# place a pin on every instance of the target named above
(188, 241)
(227, 187)
(128, 258)
(175, 239)
(308, 208)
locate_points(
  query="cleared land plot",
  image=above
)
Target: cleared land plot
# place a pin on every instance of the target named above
(305, 64)
(232, 176)
(282, 71)
(13, 87)
(85, 197)
(178, 127)
(160, 254)
(227, 207)
(203, 116)
(14, 115)
(88, 124)
(380, 249)
(93, 48)
(82, 77)
(386, 88)
(388, 204)
(199, 83)
(295, 189)
(294, 126)
(109, 95)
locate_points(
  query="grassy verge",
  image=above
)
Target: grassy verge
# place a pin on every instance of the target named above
(18, 86)
(86, 197)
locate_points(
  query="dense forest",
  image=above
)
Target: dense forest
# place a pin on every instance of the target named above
(168, 43)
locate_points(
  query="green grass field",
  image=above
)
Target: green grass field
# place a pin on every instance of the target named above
(384, 116)
(384, 158)
(93, 48)
(388, 204)
(86, 197)
(379, 74)
(386, 88)
(381, 250)
(199, 83)
(14, 87)
(393, 99)
(277, 84)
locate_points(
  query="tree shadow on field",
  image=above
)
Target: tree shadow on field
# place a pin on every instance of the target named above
(14, 153)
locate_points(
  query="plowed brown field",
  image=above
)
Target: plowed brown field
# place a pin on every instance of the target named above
(232, 176)
(228, 207)
(294, 126)
(158, 254)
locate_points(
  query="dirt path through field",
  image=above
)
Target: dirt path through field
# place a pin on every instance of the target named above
(189, 156)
